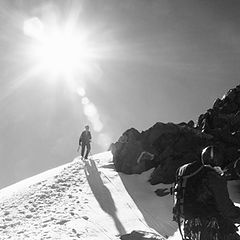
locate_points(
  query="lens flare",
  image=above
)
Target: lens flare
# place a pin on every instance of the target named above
(65, 49)
(92, 114)
(81, 92)
(85, 101)
(33, 27)
(61, 49)
(90, 110)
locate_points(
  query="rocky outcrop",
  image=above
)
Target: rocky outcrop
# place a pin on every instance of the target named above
(175, 149)
(170, 145)
(141, 235)
(222, 121)
(225, 116)
(126, 150)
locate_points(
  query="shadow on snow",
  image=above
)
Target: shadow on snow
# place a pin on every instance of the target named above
(102, 194)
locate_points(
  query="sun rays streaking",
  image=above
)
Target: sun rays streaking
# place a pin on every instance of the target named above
(71, 53)
(57, 51)
(55, 44)
(92, 114)
(18, 82)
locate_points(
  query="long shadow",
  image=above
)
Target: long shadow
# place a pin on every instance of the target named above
(102, 194)
(152, 213)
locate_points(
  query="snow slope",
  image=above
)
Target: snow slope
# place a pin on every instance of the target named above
(85, 200)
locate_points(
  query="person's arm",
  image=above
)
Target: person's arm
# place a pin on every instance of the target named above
(90, 137)
(225, 205)
(80, 139)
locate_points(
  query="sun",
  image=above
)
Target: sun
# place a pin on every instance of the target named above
(58, 50)
(62, 53)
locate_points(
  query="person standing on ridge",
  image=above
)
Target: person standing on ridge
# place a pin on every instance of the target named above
(205, 210)
(84, 141)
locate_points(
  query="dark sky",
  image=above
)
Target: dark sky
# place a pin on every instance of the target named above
(158, 60)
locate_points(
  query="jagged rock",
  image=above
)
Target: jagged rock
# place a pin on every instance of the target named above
(171, 144)
(161, 192)
(145, 161)
(223, 123)
(232, 171)
(128, 148)
(229, 108)
(217, 103)
(126, 156)
(141, 235)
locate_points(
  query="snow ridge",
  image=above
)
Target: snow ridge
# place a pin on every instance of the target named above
(83, 200)
(42, 211)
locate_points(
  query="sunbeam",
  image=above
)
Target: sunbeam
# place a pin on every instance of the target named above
(59, 50)
(50, 53)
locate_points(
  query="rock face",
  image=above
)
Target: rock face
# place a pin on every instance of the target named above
(170, 145)
(222, 121)
(141, 235)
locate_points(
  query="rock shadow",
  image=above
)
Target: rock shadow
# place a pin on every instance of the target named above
(150, 210)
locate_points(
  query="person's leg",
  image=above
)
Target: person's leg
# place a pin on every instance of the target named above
(88, 150)
(83, 150)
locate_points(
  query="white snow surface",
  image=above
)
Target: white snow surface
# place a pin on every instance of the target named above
(86, 200)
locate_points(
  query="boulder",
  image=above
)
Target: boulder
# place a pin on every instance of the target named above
(170, 144)
(126, 150)
(141, 235)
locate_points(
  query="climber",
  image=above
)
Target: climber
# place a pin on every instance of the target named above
(84, 142)
(205, 210)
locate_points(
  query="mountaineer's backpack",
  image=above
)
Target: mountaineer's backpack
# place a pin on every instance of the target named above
(194, 204)
(183, 200)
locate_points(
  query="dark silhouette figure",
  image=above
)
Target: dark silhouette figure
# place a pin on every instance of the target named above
(84, 141)
(208, 212)
(102, 194)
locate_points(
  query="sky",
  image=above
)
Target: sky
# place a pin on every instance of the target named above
(138, 62)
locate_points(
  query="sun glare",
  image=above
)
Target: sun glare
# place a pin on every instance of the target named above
(59, 50)
(69, 52)
(62, 53)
